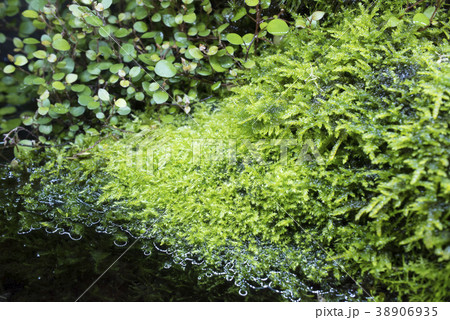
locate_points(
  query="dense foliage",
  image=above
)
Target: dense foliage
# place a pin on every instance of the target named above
(325, 173)
(95, 62)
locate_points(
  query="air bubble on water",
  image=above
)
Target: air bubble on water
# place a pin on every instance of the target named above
(120, 244)
(243, 292)
(147, 253)
(24, 232)
(229, 278)
(167, 265)
(199, 278)
(39, 278)
(75, 239)
(38, 255)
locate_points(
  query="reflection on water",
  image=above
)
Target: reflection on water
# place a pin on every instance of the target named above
(45, 264)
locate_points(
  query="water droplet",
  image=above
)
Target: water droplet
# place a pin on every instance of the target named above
(243, 292)
(120, 244)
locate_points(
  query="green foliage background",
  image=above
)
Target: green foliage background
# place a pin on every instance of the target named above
(368, 92)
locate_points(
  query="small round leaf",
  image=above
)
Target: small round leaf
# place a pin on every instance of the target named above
(61, 45)
(120, 103)
(160, 97)
(140, 26)
(235, 39)
(165, 69)
(20, 60)
(316, 16)
(9, 69)
(123, 111)
(277, 27)
(103, 95)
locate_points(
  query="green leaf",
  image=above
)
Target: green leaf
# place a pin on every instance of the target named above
(195, 52)
(212, 50)
(77, 111)
(94, 21)
(106, 4)
(216, 65)
(421, 19)
(154, 86)
(120, 103)
(180, 37)
(252, 3)
(45, 129)
(60, 108)
(139, 96)
(135, 71)
(216, 86)
(9, 69)
(84, 100)
(222, 27)
(58, 85)
(239, 14)
(40, 54)
(392, 22)
(235, 39)
(122, 32)
(93, 105)
(30, 14)
(316, 16)
(7, 110)
(20, 60)
(249, 64)
(18, 43)
(429, 12)
(58, 76)
(190, 17)
(100, 115)
(156, 17)
(160, 97)
(169, 20)
(248, 38)
(116, 67)
(140, 26)
(165, 69)
(61, 44)
(43, 110)
(92, 132)
(2, 38)
(103, 95)
(71, 78)
(123, 111)
(31, 41)
(78, 88)
(277, 27)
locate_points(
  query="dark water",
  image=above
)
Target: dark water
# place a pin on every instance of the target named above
(42, 266)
